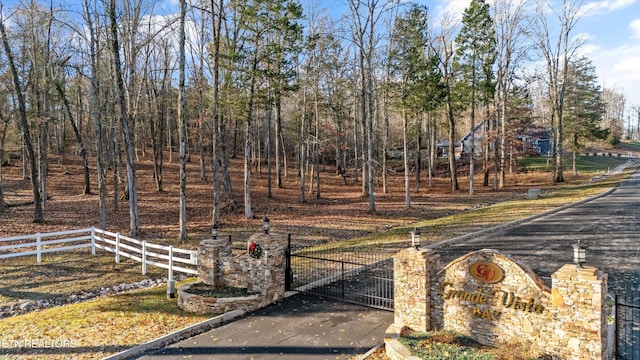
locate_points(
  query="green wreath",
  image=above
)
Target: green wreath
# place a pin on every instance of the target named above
(255, 250)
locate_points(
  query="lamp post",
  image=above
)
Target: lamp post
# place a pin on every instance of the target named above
(214, 232)
(415, 238)
(265, 225)
(579, 253)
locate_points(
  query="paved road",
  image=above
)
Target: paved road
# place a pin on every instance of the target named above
(609, 225)
(299, 327)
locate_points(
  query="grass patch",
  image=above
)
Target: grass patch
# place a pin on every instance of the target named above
(62, 274)
(464, 222)
(99, 327)
(584, 164)
(444, 345)
(450, 345)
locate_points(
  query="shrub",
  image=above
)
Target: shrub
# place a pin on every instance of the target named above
(613, 140)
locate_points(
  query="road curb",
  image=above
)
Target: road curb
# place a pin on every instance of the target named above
(182, 334)
(177, 335)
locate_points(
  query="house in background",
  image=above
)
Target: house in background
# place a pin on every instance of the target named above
(478, 135)
(442, 149)
(533, 142)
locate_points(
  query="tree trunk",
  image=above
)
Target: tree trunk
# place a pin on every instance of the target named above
(215, 146)
(452, 149)
(418, 158)
(303, 145)
(76, 132)
(486, 125)
(405, 159)
(248, 212)
(503, 139)
(279, 148)
(431, 133)
(38, 216)
(3, 205)
(182, 124)
(134, 225)
(472, 145)
(316, 157)
(268, 152)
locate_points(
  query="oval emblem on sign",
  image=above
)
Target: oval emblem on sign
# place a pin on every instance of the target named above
(486, 272)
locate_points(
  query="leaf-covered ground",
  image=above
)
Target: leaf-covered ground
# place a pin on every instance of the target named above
(108, 325)
(339, 212)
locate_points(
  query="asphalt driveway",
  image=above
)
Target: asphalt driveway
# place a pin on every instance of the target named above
(609, 225)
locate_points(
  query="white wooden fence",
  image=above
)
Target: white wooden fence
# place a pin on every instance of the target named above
(166, 257)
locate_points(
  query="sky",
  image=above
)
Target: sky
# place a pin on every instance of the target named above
(612, 30)
(611, 27)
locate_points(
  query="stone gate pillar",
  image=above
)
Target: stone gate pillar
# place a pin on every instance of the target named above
(413, 272)
(210, 255)
(579, 298)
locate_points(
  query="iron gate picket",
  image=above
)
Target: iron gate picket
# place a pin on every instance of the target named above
(627, 324)
(358, 275)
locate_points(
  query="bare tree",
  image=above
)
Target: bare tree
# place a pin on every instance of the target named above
(512, 25)
(134, 225)
(443, 49)
(365, 17)
(557, 50)
(83, 152)
(89, 16)
(38, 216)
(182, 127)
(216, 18)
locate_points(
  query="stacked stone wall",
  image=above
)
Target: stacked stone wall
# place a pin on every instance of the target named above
(263, 276)
(497, 300)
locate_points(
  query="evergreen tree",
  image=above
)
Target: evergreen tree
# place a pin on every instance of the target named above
(475, 56)
(418, 86)
(583, 106)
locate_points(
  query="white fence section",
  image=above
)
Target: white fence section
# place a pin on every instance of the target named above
(166, 257)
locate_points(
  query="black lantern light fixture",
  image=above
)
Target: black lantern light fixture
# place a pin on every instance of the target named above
(415, 238)
(579, 253)
(265, 225)
(214, 232)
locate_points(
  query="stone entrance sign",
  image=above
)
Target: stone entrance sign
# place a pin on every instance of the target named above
(497, 300)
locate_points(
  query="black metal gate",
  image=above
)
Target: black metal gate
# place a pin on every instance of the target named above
(628, 324)
(357, 274)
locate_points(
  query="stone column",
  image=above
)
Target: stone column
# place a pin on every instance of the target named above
(268, 272)
(210, 253)
(579, 306)
(413, 272)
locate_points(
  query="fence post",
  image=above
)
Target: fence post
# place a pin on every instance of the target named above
(117, 248)
(170, 262)
(288, 272)
(93, 240)
(144, 257)
(615, 331)
(39, 247)
(171, 284)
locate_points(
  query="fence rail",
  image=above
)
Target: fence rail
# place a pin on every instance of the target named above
(166, 257)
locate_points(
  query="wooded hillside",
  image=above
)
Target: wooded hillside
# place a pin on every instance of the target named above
(224, 112)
